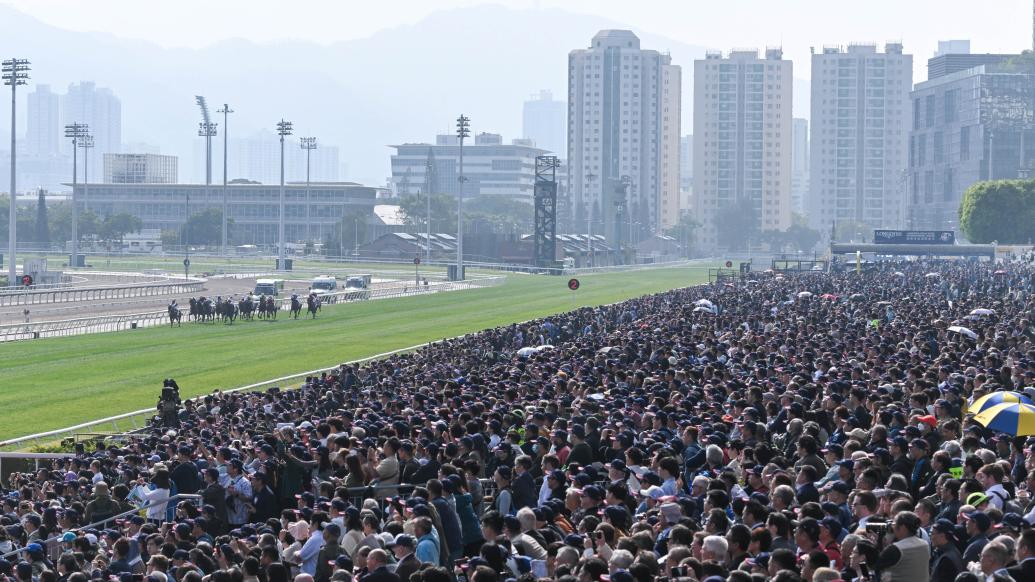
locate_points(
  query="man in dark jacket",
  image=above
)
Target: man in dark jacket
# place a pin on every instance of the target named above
(947, 561)
(215, 495)
(185, 473)
(377, 565)
(264, 502)
(409, 468)
(1025, 568)
(523, 487)
(978, 524)
(581, 454)
(450, 520)
(406, 560)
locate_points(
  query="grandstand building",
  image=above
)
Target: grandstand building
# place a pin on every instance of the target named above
(254, 208)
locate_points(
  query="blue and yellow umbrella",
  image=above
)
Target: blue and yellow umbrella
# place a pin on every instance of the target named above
(1002, 397)
(1013, 418)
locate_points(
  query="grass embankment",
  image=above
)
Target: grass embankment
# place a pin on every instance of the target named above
(53, 383)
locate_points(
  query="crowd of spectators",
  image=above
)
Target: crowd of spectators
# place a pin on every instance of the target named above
(801, 427)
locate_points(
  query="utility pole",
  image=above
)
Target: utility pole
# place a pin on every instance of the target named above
(283, 129)
(308, 144)
(463, 130)
(226, 111)
(77, 132)
(14, 72)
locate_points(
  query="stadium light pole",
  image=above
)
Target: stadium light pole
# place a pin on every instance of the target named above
(86, 143)
(14, 72)
(77, 132)
(308, 144)
(226, 111)
(283, 129)
(463, 130)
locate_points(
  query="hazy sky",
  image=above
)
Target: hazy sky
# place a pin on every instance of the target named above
(993, 25)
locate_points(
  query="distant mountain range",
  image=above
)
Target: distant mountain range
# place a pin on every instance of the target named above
(403, 84)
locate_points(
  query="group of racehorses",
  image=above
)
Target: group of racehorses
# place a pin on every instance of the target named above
(204, 309)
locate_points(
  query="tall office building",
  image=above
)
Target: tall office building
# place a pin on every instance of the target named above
(140, 169)
(799, 165)
(860, 132)
(742, 139)
(686, 163)
(102, 110)
(544, 120)
(43, 123)
(623, 137)
(491, 168)
(970, 125)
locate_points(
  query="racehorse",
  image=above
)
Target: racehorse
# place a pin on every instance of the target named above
(247, 307)
(201, 309)
(296, 306)
(174, 314)
(228, 310)
(313, 304)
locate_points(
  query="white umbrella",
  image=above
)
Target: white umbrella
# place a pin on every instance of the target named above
(963, 331)
(704, 303)
(804, 295)
(526, 352)
(605, 350)
(899, 274)
(703, 309)
(932, 275)
(983, 311)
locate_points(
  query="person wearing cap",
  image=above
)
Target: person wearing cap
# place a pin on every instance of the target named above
(977, 526)
(504, 500)
(921, 472)
(406, 562)
(829, 532)
(101, 506)
(946, 560)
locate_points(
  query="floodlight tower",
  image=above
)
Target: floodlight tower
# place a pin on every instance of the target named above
(14, 72)
(86, 143)
(77, 132)
(226, 111)
(284, 129)
(463, 130)
(308, 144)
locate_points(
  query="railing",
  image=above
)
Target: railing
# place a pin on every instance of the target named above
(82, 326)
(175, 499)
(33, 297)
(409, 290)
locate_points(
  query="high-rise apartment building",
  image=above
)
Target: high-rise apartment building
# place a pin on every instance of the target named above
(799, 165)
(43, 122)
(102, 111)
(623, 137)
(742, 139)
(971, 125)
(257, 158)
(140, 169)
(543, 120)
(860, 131)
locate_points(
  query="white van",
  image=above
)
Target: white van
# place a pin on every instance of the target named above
(323, 285)
(269, 287)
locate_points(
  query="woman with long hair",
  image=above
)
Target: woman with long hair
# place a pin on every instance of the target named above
(356, 476)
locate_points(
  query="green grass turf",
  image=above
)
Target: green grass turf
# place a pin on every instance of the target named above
(53, 383)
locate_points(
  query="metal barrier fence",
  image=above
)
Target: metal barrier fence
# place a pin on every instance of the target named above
(67, 327)
(175, 499)
(33, 297)
(404, 291)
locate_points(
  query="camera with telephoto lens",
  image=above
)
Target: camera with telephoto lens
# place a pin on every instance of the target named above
(877, 527)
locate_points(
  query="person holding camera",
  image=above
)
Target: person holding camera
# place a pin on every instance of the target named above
(908, 557)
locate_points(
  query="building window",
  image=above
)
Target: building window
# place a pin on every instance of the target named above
(965, 143)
